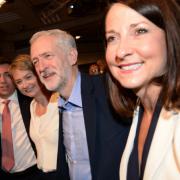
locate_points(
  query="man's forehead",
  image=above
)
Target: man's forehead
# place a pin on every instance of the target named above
(4, 67)
(40, 47)
(4, 71)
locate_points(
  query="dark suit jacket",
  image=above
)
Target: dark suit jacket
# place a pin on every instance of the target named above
(106, 134)
(24, 103)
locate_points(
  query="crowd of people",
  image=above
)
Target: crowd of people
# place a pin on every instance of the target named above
(57, 123)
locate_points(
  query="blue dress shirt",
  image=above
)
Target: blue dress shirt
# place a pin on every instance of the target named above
(74, 134)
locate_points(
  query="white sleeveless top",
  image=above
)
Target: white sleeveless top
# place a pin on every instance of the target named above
(44, 131)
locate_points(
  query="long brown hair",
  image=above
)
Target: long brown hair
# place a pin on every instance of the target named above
(165, 15)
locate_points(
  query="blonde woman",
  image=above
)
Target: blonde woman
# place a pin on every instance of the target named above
(44, 123)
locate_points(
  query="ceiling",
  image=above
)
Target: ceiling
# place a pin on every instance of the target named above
(19, 19)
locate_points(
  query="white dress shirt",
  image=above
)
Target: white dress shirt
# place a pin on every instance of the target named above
(23, 152)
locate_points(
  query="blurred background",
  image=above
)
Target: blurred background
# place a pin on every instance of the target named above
(19, 19)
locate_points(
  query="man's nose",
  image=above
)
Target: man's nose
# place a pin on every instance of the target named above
(2, 79)
(40, 66)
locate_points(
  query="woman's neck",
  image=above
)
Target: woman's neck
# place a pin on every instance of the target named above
(149, 97)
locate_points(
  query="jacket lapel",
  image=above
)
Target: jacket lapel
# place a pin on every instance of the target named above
(24, 103)
(62, 166)
(129, 146)
(161, 142)
(88, 103)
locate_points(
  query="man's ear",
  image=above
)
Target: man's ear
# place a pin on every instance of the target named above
(73, 56)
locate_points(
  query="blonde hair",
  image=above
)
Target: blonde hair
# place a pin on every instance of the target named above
(22, 62)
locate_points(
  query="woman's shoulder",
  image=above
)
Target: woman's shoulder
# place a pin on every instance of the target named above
(168, 114)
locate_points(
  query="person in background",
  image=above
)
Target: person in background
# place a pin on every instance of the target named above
(102, 66)
(97, 68)
(23, 152)
(44, 124)
(92, 137)
(143, 56)
(93, 69)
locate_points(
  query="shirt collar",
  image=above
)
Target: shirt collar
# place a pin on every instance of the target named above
(75, 97)
(13, 97)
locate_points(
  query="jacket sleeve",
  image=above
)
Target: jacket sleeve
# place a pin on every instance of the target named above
(177, 141)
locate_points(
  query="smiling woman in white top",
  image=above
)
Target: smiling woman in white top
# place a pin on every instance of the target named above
(143, 58)
(44, 123)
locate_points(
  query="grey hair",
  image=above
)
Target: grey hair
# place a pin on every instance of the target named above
(63, 38)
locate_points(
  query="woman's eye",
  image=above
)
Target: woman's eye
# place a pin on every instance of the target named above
(141, 31)
(18, 82)
(28, 77)
(110, 39)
